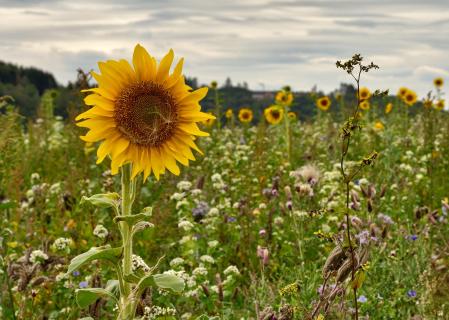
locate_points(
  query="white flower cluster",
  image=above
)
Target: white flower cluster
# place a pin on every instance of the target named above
(231, 270)
(100, 231)
(185, 225)
(62, 243)
(154, 312)
(176, 262)
(38, 256)
(199, 271)
(207, 259)
(217, 181)
(139, 263)
(184, 185)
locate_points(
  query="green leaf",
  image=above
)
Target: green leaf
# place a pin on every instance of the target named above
(103, 200)
(135, 218)
(96, 253)
(85, 297)
(164, 281)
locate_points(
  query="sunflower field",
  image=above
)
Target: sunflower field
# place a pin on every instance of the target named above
(143, 204)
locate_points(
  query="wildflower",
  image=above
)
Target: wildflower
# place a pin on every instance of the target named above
(364, 94)
(379, 126)
(411, 293)
(62, 243)
(200, 271)
(388, 108)
(76, 273)
(38, 256)
(100, 231)
(83, 284)
(139, 263)
(263, 254)
(245, 115)
(184, 185)
(207, 259)
(410, 98)
(412, 237)
(428, 103)
(364, 105)
(212, 244)
(274, 114)
(145, 116)
(262, 232)
(323, 103)
(438, 82)
(362, 299)
(229, 114)
(385, 219)
(185, 225)
(231, 270)
(176, 262)
(231, 219)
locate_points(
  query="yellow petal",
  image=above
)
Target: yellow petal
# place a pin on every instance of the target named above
(173, 78)
(194, 96)
(97, 100)
(97, 122)
(95, 111)
(169, 162)
(164, 67)
(143, 64)
(98, 134)
(191, 128)
(110, 89)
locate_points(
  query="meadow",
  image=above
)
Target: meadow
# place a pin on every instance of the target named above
(343, 215)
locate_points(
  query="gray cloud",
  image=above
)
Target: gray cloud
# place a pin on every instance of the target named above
(258, 41)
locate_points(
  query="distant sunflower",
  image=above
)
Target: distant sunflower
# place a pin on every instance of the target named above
(410, 98)
(213, 85)
(438, 82)
(245, 115)
(292, 115)
(428, 103)
(143, 115)
(323, 103)
(440, 104)
(364, 93)
(274, 114)
(379, 126)
(284, 97)
(364, 105)
(229, 113)
(209, 122)
(388, 108)
(401, 92)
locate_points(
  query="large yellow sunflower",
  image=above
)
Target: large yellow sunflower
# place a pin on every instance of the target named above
(323, 103)
(245, 115)
(143, 114)
(274, 114)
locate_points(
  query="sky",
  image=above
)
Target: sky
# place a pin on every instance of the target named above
(268, 44)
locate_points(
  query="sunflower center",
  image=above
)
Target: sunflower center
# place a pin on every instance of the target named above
(276, 114)
(324, 102)
(146, 114)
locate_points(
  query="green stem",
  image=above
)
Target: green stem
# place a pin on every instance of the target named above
(128, 193)
(287, 132)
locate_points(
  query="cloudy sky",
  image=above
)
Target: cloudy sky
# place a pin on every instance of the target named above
(265, 43)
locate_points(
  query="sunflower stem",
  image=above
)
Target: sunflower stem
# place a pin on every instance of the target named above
(128, 194)
(287, 132)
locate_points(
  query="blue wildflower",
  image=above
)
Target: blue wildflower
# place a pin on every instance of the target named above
(83, 284)
(362, 299)
(76, 273)
(411, 293)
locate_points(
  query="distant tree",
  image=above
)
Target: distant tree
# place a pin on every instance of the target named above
(228, 83)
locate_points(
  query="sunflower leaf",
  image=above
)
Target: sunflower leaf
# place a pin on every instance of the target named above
(96, 253)
(85, 297)
(103, 200)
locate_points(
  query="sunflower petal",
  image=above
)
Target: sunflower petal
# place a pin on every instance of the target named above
(164, 67)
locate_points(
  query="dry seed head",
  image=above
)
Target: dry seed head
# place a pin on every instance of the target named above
(344, 270)
(334, 260)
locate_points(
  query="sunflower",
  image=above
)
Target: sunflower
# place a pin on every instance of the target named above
(229, 113)
(143, 115)
(292, 115)
(388, 108)
(439, 105)
(245, 115)
(364, 93)
(323, 103)
(428, 103)
(284, 97)
(379, 126)
(401, 92)
(438, 82)
(213, 85)
(410, 98)
(209, 122)
(274, 114)
(364, 105)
